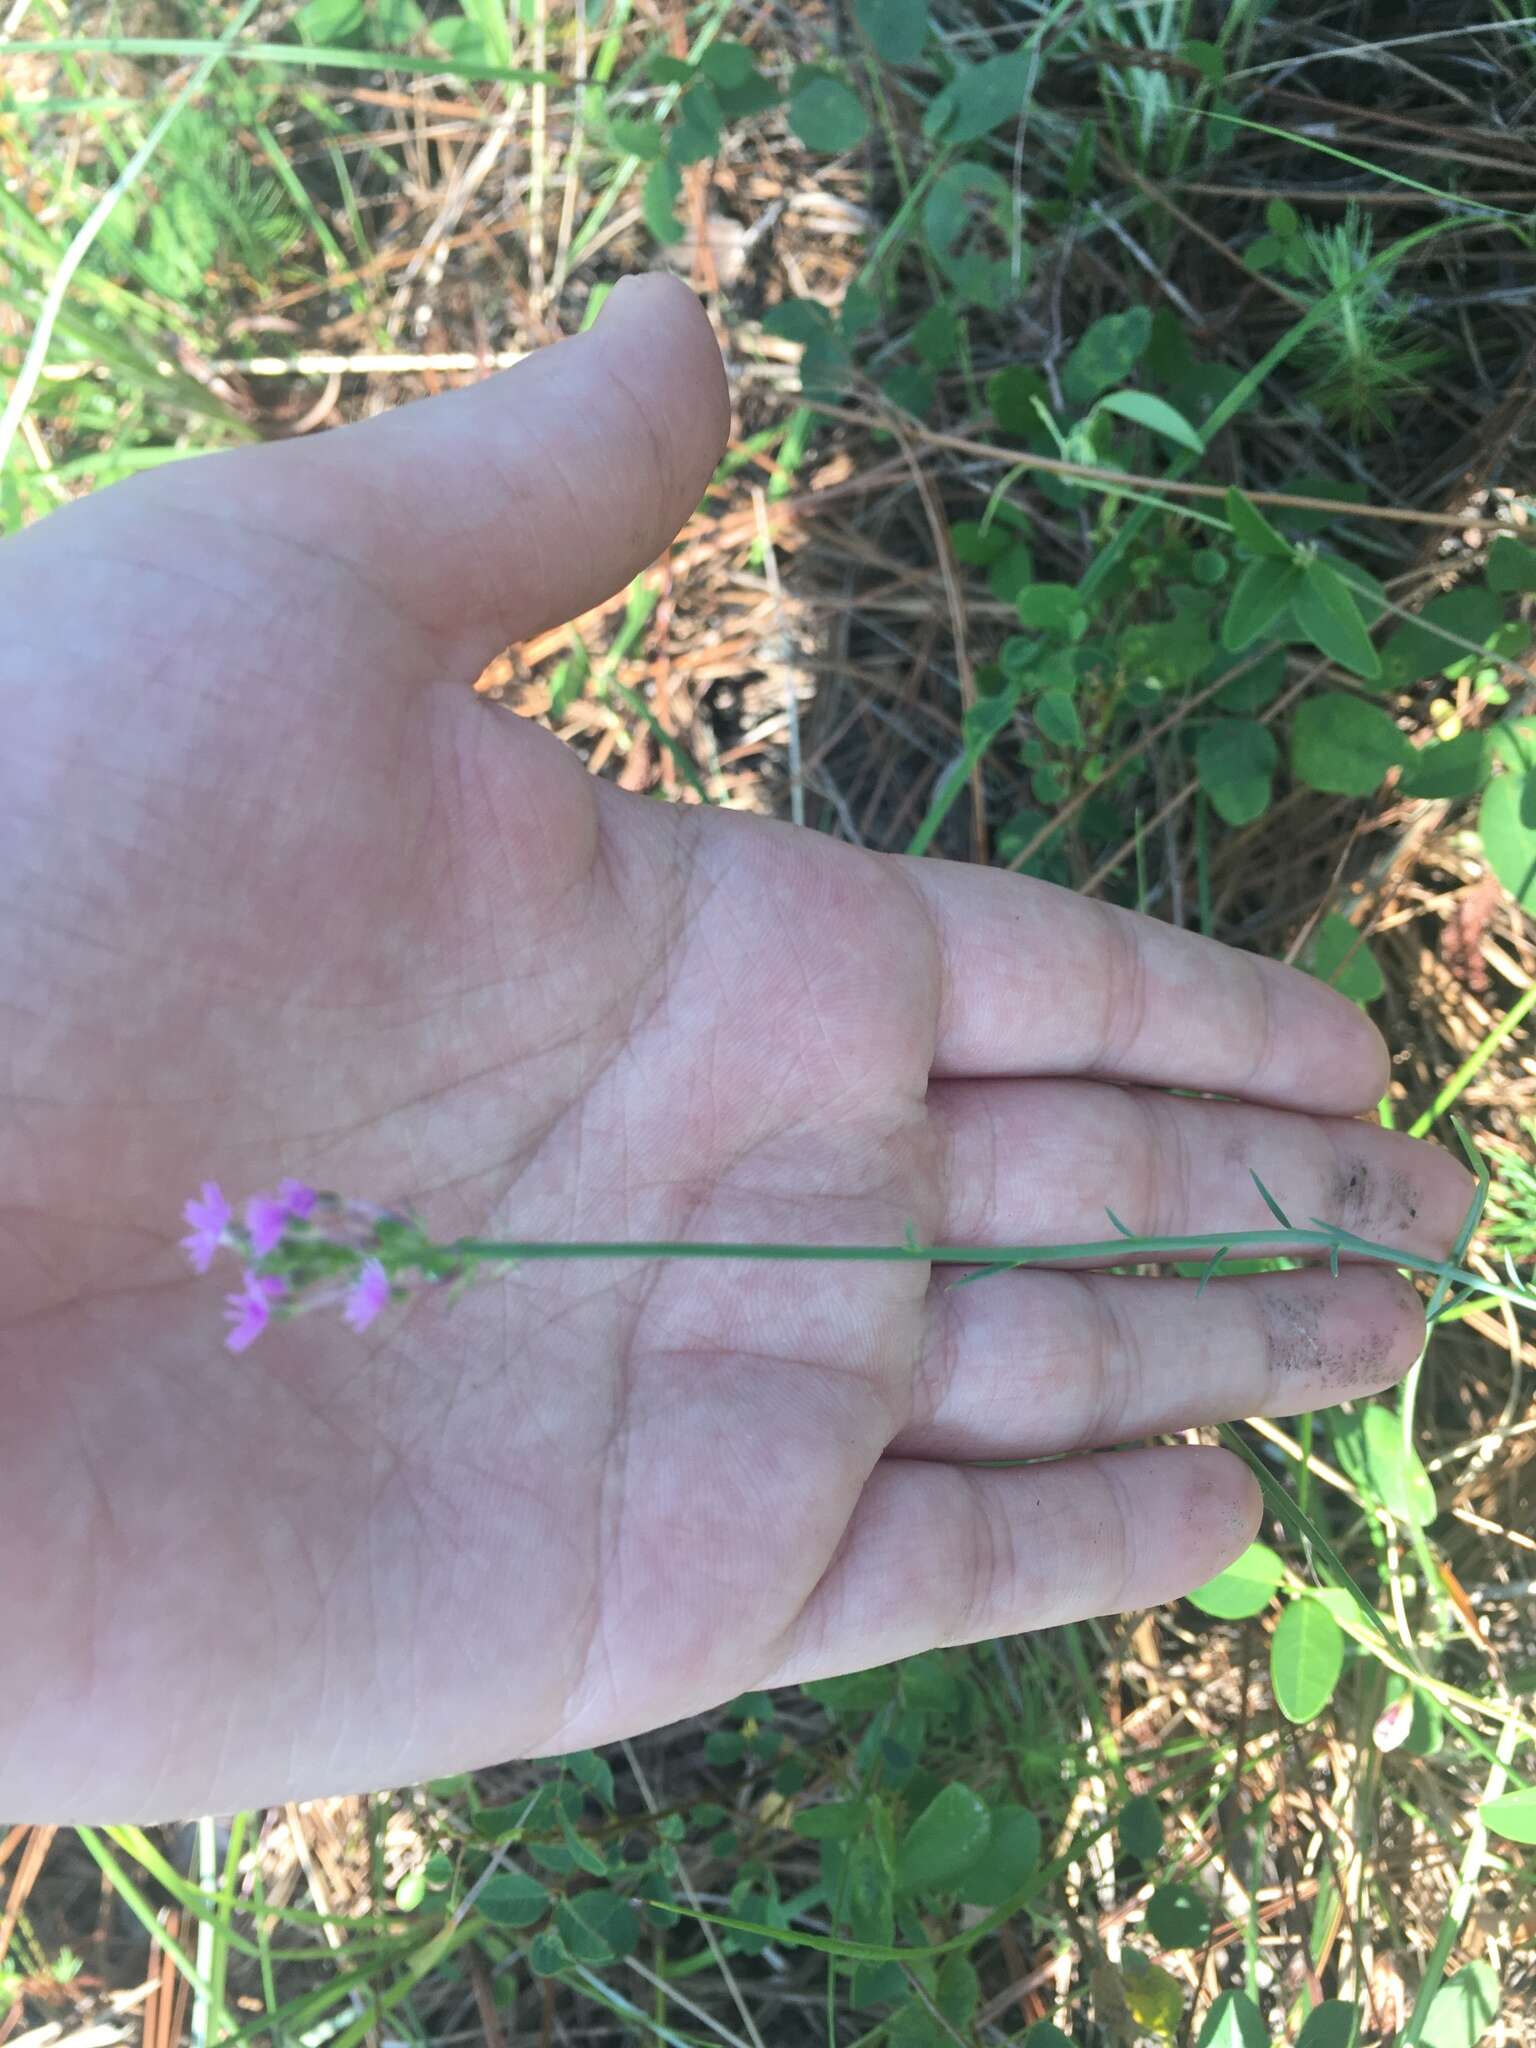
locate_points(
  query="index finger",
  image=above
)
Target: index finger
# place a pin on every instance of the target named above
(1037, 980)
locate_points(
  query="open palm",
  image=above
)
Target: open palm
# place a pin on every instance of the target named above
(278, 896)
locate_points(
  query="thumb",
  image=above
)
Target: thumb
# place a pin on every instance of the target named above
(493, 512)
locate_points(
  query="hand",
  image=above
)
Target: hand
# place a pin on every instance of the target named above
(278, 896)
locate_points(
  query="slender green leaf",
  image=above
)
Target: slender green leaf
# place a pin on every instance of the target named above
(1328, 615)
(1252, 530)
(1153, 413)
(1261, 598)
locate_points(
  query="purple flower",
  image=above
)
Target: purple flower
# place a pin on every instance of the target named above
(366, 1296)
(249, 1311)
(268, 1216)
(209, 1218)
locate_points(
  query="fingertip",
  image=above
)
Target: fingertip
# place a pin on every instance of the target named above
(1214, 1510)
(663, 321)
(1357, 1068)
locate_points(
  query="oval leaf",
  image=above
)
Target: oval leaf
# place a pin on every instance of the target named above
(1155, 413)
(1235, 761)
(826, 114)
(1396, 1470)
(1109, 350)
(897, 28)
(1327, 613)
(1246, 1586)
(1513, 1816)
(1463, 2009)
(947, 1837)
(1306, 1656)
(1343, 746)
(1506, 819)
(1333, 2024)
(1262, 595)
(1338, 954)
(1252, 530)
(1177, 1917)
(1011, 1854)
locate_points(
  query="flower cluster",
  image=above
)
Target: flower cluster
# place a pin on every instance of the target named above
(301, 1250)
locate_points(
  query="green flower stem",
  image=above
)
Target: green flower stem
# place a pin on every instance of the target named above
(1113, 1251)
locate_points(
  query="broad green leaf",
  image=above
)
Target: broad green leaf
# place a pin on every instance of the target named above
(1012, 1852)
(643, 139)
(1396, 1470)
(1511, 566)
(1506, 819)
(1177, 1917)
(1107, 353)
(1153, 413)
(695, 132)
(511, 1898)
(1326, 612)
(548, 1954)
(867, 1895)
(1333, 2024)
(977, 546)
(826, 114)
(1234, 2021)
(1140, 1828)
(936, 337)
(1044, 2035)
(663, 189)
(593, 1771)
(1258, 686)
(1205, 57)
(834, 1822)
(727, 63)
(1246, 1586)
(979, 98)
(1250, 529)
(752, 96)
(1306, 1655)
(958, 1990)
(597, 1926)
(1056, 716)
(1448, 768)
(947, 1837)
(1235, 761)
(798, 320)
(1337, 954)
(463, 39)
(897, 28)
(1343, 746)
(1011, 394)
(1260, 599)
(967, 215)
(1463, 2009)
(1513, 1816)
(1415, 650)
(1051, 608)
(329, 21)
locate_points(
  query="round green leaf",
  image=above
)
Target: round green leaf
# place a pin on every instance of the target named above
(1395, 1469)
(1050, 607)
(897, 28)
(598, 1926)
(1306, 1656)
(1448, 768)
(1011, 1854)
(1513, 1816)
(958, 1990)
(947, 1837)
(1235, 761)
(1338, 955)
(1343, 746)
(1246, 1586)
(826, 114)
(979, 98)
(1109, 350)
(1141, 1828)
(1234, 2021)
(1177, 1917)
(511, 1898)
(1511, 566)
(1463, 2009)
(1333, 2024)
(1506, 819)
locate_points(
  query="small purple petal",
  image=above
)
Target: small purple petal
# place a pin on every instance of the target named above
(249, 1311)
(209, 1218)
(266, 1217)
(297, 1198)
(366, 1296)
